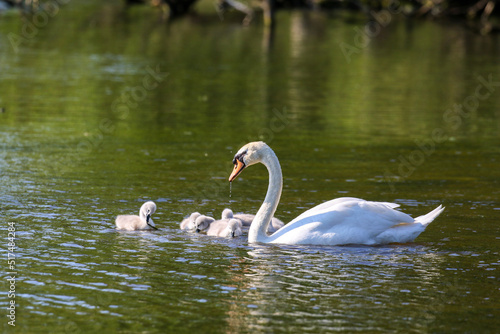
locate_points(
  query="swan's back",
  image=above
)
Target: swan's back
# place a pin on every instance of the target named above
(353, 221)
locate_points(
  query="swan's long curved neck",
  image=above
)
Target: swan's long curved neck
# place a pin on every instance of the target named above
(258, 229)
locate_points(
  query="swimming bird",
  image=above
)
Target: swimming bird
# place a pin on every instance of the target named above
(141, 222)
(202, 223)
(188, 223)
(246, 220)
(225, 228)
(341, 221)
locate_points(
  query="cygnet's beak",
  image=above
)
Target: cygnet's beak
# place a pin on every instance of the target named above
(198, 230)
(238, 168)
(148, 217)
(232, 234)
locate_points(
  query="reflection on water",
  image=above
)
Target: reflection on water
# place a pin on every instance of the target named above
(332, 284)
(71, 160)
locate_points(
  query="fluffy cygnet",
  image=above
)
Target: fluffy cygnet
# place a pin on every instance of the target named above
(141, 222)
(189, 222)
(202, 223)
(246, 220)
(225, 228)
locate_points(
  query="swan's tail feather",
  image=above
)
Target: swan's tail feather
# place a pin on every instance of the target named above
(428, 218)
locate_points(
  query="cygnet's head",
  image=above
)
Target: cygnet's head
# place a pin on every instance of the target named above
(147, 209)
(202, 223)
(227, 214)
(192, 220)
(233, 228)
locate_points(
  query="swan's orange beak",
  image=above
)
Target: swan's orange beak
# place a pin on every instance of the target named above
(238, 168)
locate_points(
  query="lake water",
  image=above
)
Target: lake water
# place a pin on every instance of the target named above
(105, 108)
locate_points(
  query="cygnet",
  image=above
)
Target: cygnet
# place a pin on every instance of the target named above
(225, 228)
(141, 222)
(189, 222)
(246, 220)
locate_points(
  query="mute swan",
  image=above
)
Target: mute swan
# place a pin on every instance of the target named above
(340, 221)
(246, 220)
(188, 223)
(202, 223)
(141, 222)
(225, 228)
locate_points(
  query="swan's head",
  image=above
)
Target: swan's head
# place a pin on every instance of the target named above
(147, 209)
(227, 214)
(202, 222)
(248, 155)
(234, 228)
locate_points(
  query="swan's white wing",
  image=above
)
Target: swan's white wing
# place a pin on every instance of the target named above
(342, 221)
(335, 204)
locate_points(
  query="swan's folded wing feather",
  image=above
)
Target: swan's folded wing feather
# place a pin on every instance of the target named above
(385, 210)
(343, 221)
(353, 205)
(334, 204)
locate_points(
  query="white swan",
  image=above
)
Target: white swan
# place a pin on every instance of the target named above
(141, 222)
(340, 221)
(225, 228)
(247, 219)
(188, 223)
(202, 223)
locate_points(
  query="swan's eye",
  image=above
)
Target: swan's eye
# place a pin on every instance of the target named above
(239, 157)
